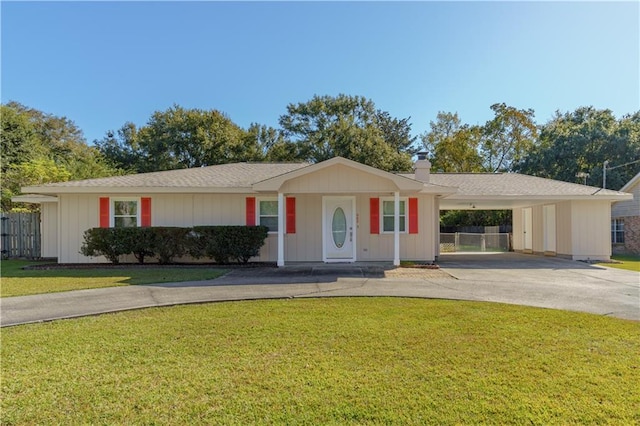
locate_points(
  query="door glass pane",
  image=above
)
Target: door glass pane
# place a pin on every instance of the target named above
(339, 227)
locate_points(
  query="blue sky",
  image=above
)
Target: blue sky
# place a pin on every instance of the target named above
(102, 64)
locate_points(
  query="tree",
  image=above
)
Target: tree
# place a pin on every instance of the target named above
(581, 141)
(452, 146)
(18, 139)
(508, 137)
(347, 126)
(179, 138)
(39, 148)
(272, 145)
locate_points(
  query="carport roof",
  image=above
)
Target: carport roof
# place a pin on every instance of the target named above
(509, 190)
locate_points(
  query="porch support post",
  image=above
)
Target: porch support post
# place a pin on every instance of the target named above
(396, 228)
(280, 229)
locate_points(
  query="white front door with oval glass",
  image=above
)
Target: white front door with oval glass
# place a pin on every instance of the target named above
(338, 229)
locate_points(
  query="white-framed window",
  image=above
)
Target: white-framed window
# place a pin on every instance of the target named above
(387, 207)
(267, 213)
(125, 212)
(617, 231)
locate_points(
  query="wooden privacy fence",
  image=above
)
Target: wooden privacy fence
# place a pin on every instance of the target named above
(20, 235)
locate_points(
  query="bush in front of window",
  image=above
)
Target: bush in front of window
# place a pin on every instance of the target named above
(223, 244)
(142, 242)
(226, 243)
(108, 242)
(169, 243)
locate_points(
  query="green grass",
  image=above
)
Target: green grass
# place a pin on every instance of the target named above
(19, 282)
(324, 361)
(629, 262)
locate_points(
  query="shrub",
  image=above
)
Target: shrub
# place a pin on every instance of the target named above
(141, 242)
(108, 242)
(169, 242)
(225, 243)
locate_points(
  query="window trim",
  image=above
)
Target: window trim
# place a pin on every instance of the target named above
(617, 227)
(112, 210)
(258, 215)
(404, 200)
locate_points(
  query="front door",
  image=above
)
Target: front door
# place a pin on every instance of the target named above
(338, 230)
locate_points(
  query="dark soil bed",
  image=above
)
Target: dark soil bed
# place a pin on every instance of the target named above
(46, 266)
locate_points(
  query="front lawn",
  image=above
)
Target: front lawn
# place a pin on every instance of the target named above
(19, 282)
(324, 361)
(629, 262)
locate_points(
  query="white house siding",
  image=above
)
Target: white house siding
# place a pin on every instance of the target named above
(563, 229)
(306, 244)
(517, 237)
(78, 212)
(591, 232)
(49, 230)
(338, 179)
(379, 247)
(582, 229)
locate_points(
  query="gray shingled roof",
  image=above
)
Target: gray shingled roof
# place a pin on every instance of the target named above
(235, 175)
(511, 184)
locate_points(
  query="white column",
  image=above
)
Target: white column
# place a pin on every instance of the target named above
(280, 229)
(396, 228)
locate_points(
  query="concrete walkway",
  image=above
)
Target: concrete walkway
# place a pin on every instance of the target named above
(507, 278)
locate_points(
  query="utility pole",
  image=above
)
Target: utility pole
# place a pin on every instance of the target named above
(604, 174)
(605, 167)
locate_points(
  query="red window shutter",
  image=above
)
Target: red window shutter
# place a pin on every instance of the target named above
(291, 215)
(145, 207)
(413, 215)
(251, 211)
(104, 212)
(374, 215)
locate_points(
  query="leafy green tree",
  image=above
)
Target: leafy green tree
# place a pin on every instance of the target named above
(453, 146)
(581, 141)
(39, 148)
(18, 139)
(179, 138)
(272, 145)
(121, 149)
(34, 172)
(347, 126)
(508, 137)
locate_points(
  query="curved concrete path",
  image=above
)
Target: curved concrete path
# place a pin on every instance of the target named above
(507, 278)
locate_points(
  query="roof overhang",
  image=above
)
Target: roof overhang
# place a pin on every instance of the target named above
(471, 202)
(402, 183)
(631, 183)
(137, 190)
(34, 198)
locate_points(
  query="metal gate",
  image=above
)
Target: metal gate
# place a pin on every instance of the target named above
(20, 235)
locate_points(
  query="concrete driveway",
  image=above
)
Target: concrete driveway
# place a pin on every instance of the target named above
(507, 278)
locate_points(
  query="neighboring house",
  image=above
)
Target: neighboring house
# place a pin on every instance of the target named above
(333, 211)
(625, 220)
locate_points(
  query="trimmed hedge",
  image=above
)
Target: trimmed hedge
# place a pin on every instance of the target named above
(220, 243)
(226, 243)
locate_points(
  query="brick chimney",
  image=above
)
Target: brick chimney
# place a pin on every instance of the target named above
(422, 168)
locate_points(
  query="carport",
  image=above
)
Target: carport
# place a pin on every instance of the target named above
(550, 217)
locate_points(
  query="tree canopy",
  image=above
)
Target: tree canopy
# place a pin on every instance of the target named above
(350, 127)
(179, 138)
(581, 141)
(39, 148)
(498, 145)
